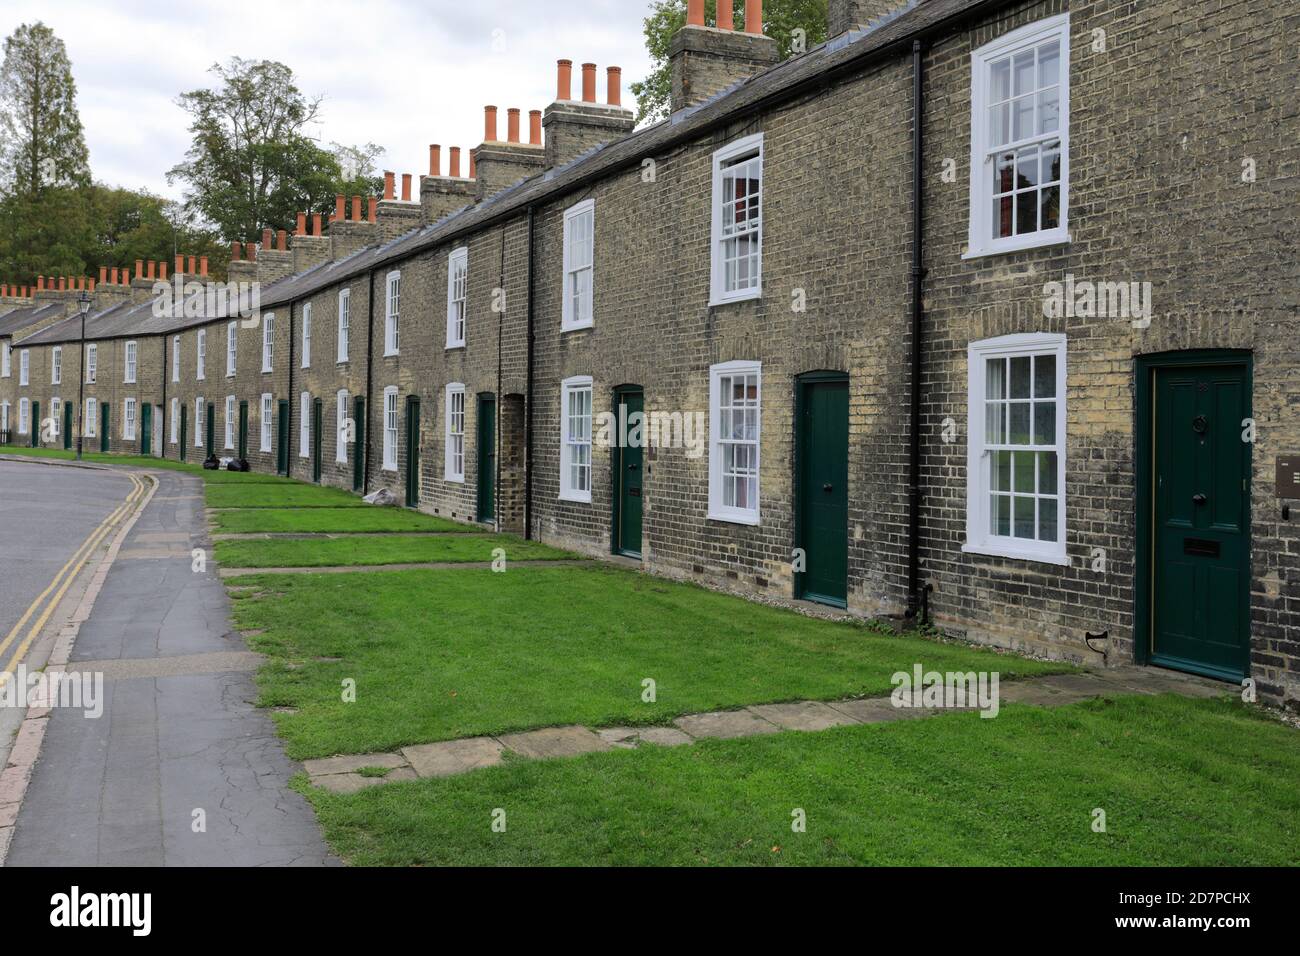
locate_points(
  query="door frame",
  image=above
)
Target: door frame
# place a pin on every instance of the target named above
(800, 381)
(485, 400)
(616, 475)
(1145, 367)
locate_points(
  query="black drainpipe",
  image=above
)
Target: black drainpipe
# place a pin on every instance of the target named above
(914, 602)
(288, 439)
(370, 361)
(161, 451)
(528, 398)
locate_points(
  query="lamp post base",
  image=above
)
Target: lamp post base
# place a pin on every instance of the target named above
(78, 449)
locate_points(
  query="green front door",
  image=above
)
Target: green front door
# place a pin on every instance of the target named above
(185, 429)
(315, 440)
(104, 421)
(211, 424)
(282, 439)
(358, 443)
(67, 426)
(146, 428)
(36, 426)
(628, 465)
(1200, 571)
(243, 430)
(412, 452)
(487, 457)
(823, 500)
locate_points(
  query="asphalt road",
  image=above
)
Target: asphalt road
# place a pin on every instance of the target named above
(46, 514)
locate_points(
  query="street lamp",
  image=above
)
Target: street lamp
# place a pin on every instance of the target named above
(83, 303)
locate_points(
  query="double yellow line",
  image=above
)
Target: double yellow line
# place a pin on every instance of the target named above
(62, 581)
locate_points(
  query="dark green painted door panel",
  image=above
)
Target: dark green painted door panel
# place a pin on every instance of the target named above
(823, 490)
(487, 457)
(146, 429)
(1201, 550)
(35, 426)
(211, 425)
(412, 452)
(282, 438)
(629, 465)
(316, 415)
(105, 416)
(358, 443)
(67, 426)
(243, 430)
(185, 430)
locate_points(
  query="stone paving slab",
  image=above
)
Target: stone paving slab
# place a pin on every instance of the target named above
(353, 782)
(350, 764)
(138, 668)
(554, 742)
(803, 715)
(629, 738)
(451, 757)
(726, 724)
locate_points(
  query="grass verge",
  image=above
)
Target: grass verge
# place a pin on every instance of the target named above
(438, 654)
(332, 520)
(1182, 782)
(289, 494)
(360, 550)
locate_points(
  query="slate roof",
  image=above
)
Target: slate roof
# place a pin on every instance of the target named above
(13, 322)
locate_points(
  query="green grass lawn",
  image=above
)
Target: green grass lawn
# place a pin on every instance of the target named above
(1182, 783)
(332, 520)
(438, 654)
(143, 461)
(289, 494)
(370, 549)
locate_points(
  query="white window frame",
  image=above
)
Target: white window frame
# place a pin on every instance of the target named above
(391, 428)
(718, 511)
(176, 421)
(457, 298)
(980, 240)
(345, 319)
(569, 491)
(128, 419)
(306, 335)
(230, 422)
(268, 412)
(6, 359)
(24, 367)
(176, 358)
(131, 359)
(454, 446)
(232, 346)
(341, 427)
(24, 416)
(4, 416)
(56, 365)
(575, 316)
(89, 425)
(92, 362)
(393, 313)
(723, 159)
(200, 431)
(979, 540)
(304, 425)
(268, 342)
(200, 353)
(56, 415)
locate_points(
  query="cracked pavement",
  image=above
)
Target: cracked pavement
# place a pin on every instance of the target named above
(176, 736)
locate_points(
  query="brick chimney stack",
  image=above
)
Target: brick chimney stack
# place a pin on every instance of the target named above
(575, 126)
(704, 60)
(845, 15)
(497, 165)
(441, 195)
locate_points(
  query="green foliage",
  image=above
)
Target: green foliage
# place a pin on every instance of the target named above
(252, 163)
(781, 18)
(41, 140)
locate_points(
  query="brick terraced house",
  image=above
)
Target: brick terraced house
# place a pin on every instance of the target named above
(976, 312)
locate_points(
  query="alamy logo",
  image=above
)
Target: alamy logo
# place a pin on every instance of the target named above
(1086, 299)
(79, 690)
(651, 430)
(75, 909)
(208, 300)
(932, 690)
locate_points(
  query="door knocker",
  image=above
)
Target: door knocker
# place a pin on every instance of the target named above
(1200, 424)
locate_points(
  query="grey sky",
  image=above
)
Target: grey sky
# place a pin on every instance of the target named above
(399, 73)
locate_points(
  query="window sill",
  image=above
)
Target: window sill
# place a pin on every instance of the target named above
(1017, 554)
(341, 362)
(1057, 237)
(576, 498)
(396, 354)
(577, 326)
(716, 300)
(392, 469)
(454, 479)
(453, 346)
(750, 520)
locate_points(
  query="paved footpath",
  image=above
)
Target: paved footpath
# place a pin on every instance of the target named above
(179, 732)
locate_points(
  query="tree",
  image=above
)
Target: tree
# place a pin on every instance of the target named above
(781, 20)
(41, 140)
(251, 164)
(358, 171)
